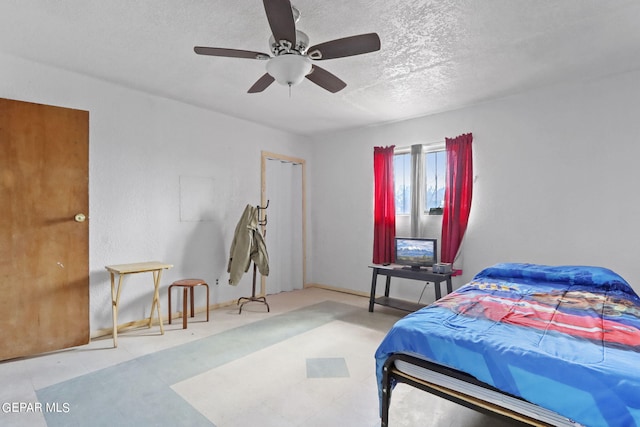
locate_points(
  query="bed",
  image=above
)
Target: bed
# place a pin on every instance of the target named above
(538, 345)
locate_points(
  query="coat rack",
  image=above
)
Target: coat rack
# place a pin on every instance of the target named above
(253, 298)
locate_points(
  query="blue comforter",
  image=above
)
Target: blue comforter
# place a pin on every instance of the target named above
(565, 338)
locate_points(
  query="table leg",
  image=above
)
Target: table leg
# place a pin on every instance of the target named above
(114, 311)
(207, 286)
(449, 285)
(192, 303)
(155, 300)
(372, 297)
(387, 286)
(184, 308)
(437, 289)
(115, 300)
(169, 293)
(157, 274)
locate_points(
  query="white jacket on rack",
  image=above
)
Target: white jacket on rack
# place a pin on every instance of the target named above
(248, 245)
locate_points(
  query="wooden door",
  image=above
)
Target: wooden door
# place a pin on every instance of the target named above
(44, 262)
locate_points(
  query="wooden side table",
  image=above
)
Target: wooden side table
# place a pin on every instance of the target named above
(122, 270)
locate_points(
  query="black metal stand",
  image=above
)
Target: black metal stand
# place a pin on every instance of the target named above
(253, 297)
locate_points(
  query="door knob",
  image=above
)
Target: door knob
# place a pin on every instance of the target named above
(80, 217)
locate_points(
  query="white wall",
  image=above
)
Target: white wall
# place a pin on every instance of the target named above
(140, 146)
(556, 182)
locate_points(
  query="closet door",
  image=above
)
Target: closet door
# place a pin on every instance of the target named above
(44, 238)
(283, 187)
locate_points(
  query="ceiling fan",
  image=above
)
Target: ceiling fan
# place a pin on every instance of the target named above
(292, 56)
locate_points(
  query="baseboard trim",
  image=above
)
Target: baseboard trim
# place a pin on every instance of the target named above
(145, 322)
(336, 289)
(178, 315)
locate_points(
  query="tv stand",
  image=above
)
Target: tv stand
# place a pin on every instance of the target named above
(413, 268)
(422, 275)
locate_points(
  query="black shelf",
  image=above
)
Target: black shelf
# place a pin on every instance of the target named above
(400, 304)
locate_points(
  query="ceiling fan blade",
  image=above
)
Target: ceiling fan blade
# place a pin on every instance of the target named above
(281, 21)
(348, 46)
(229, 53)
(262, 83)
(325, 79)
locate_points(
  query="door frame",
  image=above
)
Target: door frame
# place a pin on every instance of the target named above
(266, 155)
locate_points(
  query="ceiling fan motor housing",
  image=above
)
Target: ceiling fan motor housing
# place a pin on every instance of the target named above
(282, 47)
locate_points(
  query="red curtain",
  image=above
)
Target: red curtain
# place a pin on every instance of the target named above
(384, 211)
(457, 196)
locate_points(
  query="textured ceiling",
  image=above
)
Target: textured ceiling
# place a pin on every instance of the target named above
(435, 55)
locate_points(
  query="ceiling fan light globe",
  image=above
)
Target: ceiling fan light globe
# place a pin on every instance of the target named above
(289, 70)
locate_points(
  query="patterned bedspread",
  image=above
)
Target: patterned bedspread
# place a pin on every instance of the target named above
(565, 338)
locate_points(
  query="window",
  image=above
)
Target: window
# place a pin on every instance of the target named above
(435, 163)
(402, 182)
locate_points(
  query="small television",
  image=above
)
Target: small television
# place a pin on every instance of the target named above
(416, 252)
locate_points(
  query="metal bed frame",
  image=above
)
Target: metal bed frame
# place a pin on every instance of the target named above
(462, 389)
